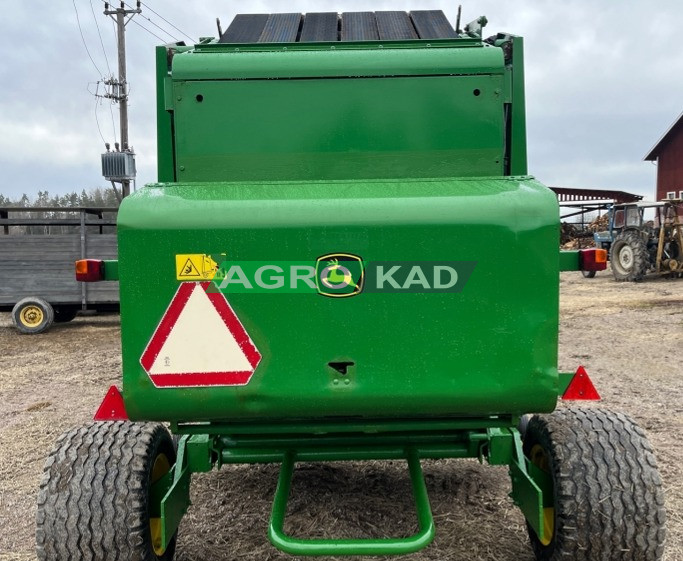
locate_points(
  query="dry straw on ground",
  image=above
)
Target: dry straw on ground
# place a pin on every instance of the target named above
(627, 335)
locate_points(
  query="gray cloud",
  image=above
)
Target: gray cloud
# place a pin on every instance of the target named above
(603, 84)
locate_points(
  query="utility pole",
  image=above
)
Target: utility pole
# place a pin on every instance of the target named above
(119, 87)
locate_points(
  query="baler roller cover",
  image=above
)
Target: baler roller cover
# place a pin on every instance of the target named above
(331, 27)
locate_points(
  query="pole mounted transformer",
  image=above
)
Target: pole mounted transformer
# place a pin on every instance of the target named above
(118, 166)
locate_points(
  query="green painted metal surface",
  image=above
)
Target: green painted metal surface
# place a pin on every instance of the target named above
(111, 270)
(414, 354)
(381, 546)
(380, 135)
(390, 151)
(355, 110)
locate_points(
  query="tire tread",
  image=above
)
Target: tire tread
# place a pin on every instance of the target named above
(608, 494)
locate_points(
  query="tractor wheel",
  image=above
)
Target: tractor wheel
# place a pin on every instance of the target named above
(588, 274)
(607, 495)
(629, 257)
(32, 315)
(64, 314)
(93, 503)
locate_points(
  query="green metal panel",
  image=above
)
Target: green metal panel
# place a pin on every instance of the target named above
(490, 349)
(165, 164)
(239, 62)
(518, 159)
(339, 129)
(570, 261)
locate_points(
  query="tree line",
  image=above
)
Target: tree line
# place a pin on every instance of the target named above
(92, 198)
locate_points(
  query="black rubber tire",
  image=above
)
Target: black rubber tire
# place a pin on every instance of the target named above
(588, 274)
(64, 314)
(93, 498)
(21, 315)
(608, 497)
(639, 262)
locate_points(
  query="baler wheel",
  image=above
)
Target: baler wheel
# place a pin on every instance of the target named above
(607, 494)
(32, 315)
(588, 274)
(629, 257)
(93, 503)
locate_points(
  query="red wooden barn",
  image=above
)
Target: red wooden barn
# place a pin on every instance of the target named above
(668, 153)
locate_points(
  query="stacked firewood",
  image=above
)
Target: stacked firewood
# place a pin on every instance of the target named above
(573, 237)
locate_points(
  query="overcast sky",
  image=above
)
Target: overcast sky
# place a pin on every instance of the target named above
(604, 81)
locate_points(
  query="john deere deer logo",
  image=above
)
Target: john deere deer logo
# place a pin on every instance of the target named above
(339, 275)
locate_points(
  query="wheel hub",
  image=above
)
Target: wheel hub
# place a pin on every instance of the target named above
(626, 257)
(539, 457)
(161, 467)
(32, 316)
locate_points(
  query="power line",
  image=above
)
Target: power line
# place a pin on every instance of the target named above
(97, 121)
(168, 22)
(154, 24)
(148, 31)
(159, 27)
(78, 21)
(106, 59)
(113, 124)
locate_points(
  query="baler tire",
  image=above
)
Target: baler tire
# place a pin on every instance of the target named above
(32, 315)
(94, 494)
(640, 257)
(588, 274)
(608, 499)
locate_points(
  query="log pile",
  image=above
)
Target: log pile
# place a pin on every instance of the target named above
(573, 237)
(600, 224)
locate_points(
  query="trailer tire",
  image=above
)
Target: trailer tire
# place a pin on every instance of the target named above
(32, 315)
(629, 257)
(608, 499)
(94, 495)
(64, 314)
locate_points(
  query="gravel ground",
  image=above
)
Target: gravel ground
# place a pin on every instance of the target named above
(627, 335)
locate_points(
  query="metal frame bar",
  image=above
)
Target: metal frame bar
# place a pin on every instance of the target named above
(500, 445)
(373, 546)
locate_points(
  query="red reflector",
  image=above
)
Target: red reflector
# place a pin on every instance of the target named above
(112, 407)
(581, 387)
(89, 270)
(593, 259)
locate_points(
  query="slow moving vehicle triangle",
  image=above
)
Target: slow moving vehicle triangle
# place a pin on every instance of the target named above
(200, 341)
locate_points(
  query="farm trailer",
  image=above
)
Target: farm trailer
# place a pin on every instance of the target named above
(38, 247)
(368, 172)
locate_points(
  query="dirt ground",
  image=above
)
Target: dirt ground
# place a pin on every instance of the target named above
(629, 337)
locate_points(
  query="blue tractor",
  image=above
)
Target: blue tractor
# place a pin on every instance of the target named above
(639, 240)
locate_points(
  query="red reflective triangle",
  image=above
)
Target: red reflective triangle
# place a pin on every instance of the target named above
(581, 387)
(208, 346)
(112, 407)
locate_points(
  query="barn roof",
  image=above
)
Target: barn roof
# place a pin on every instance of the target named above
(662, 142)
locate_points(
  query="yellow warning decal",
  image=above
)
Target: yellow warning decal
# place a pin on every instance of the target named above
(195, 266)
